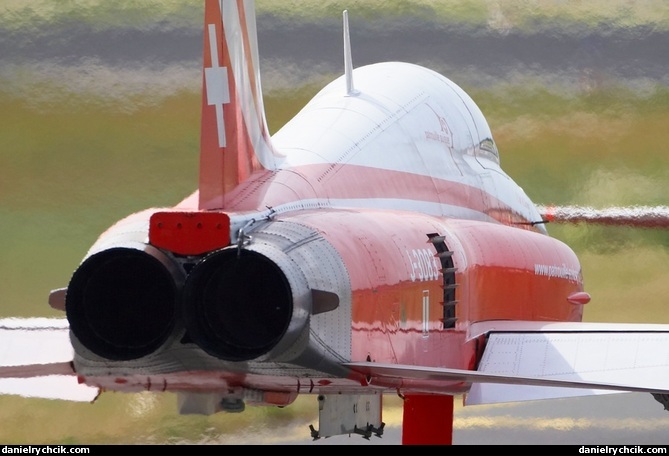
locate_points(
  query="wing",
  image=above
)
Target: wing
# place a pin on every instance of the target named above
(635, 216)
(36, 360)
(525, 360)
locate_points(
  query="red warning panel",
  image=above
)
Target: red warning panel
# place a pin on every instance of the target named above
(189, 233)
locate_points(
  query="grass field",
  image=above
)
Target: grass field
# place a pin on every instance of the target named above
(519, 14)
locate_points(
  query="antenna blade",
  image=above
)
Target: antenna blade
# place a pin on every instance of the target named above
(348, 60)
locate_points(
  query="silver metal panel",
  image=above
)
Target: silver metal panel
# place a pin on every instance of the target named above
(341, 414)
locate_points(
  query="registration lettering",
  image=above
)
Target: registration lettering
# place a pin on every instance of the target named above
(423, 265)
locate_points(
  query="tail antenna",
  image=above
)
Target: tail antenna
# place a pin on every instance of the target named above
(348, 60)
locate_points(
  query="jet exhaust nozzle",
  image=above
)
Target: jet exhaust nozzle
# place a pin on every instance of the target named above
(121, 302)
(240, 305)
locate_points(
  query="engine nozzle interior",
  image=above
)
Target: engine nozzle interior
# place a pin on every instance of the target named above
(121, 303)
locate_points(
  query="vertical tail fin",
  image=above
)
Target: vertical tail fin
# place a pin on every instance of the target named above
(235, 139)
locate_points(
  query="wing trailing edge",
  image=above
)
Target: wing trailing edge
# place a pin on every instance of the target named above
(630, 216)
(536, 360)
(36, 360)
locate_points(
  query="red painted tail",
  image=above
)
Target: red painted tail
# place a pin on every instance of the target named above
(235, 139)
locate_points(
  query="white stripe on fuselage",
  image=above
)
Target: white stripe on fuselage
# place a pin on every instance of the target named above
(238, 221)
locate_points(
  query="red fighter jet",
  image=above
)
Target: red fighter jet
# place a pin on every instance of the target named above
(371, 246)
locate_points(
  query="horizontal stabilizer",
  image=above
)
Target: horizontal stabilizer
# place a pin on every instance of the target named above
(432, 375)
(635, 357)
(548, 361)
(36, 360)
